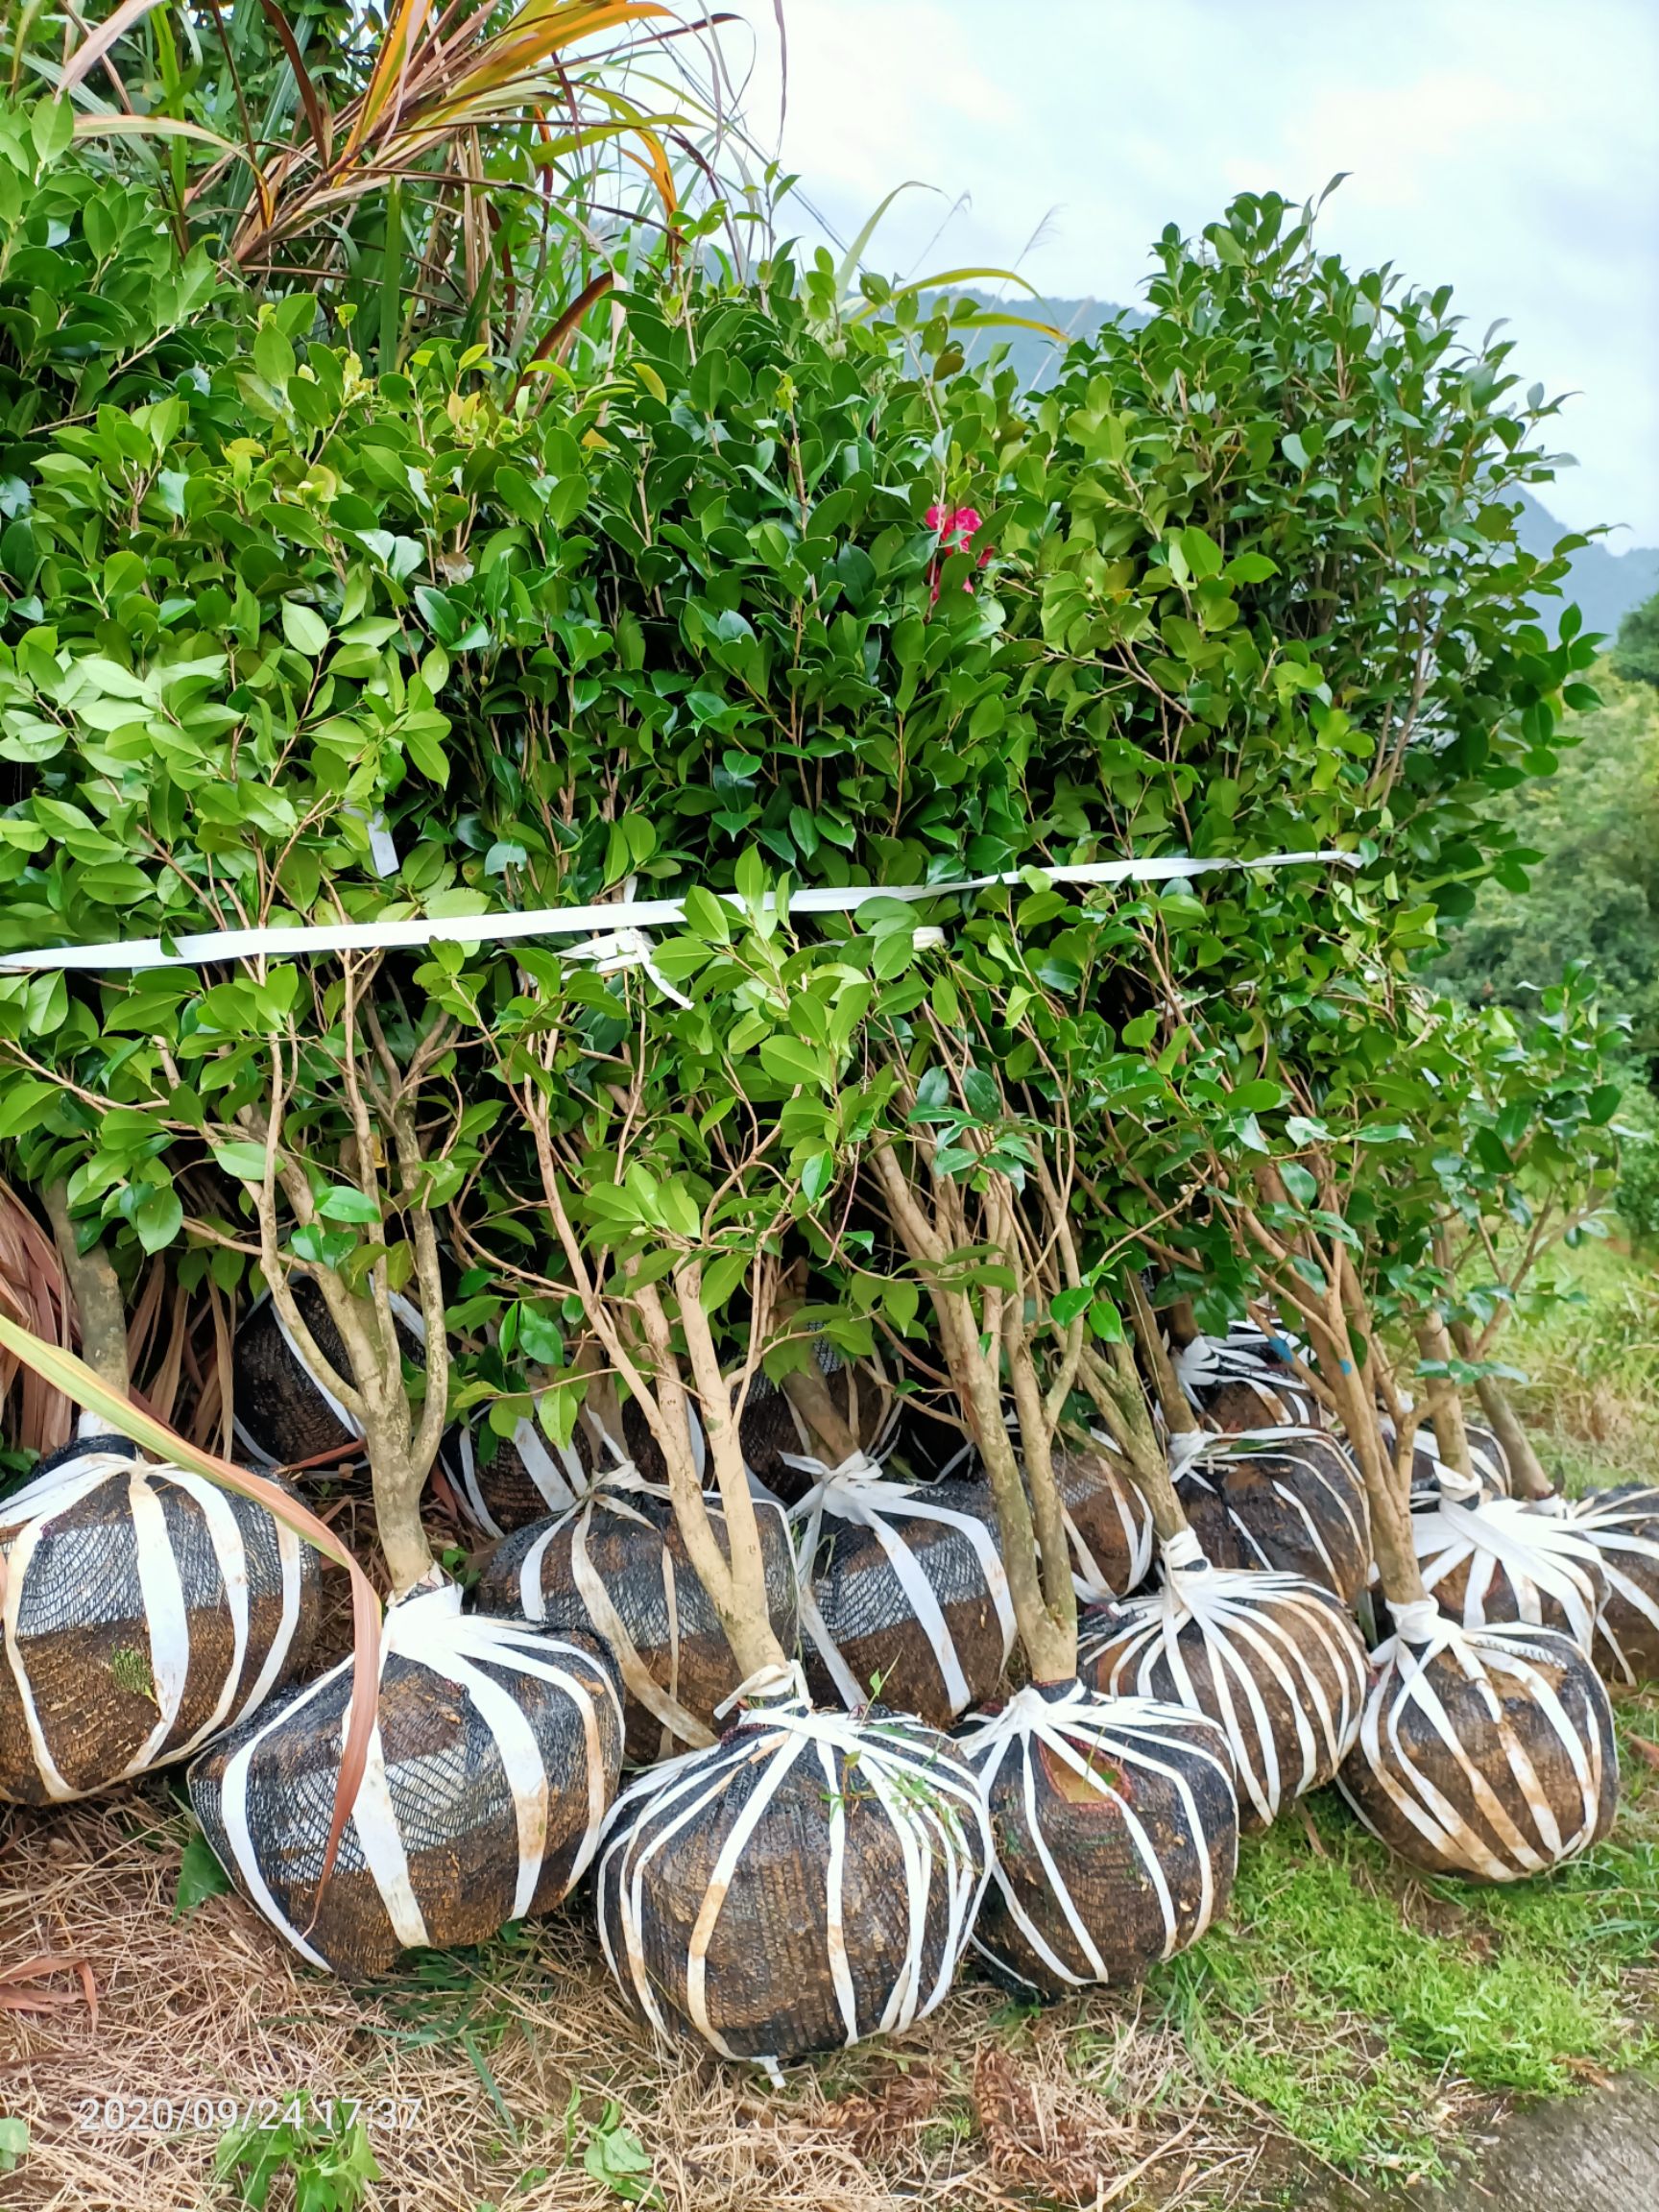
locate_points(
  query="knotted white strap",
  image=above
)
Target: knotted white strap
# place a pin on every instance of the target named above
(766, 1686)
(1183, 1551)
(620, 949)
(1418, 1622)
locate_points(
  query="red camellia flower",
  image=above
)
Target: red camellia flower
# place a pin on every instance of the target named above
(955, 526)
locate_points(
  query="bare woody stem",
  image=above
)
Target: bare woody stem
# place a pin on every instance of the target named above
(1050, 1642)
(1445, 1406)
(1330, 1310)
(749, 1630)
(1179, 1417)
(1114, 1388)
(1527, 1476)
(96, 1292)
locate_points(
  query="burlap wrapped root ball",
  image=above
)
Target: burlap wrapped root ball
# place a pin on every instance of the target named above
(494, 1761)
(903, 1596)
(500, 1483)
(809, 1881)
(284, 1415)
(1623, 1526)
(1287, 1500)
(144, 1610)
(616, 1567)
(1246, 1379)
(1277, 1660)
(1114, 1822)
(1108, 1526)
(776, 1440)
(1509, 1560)
(1485, 1752)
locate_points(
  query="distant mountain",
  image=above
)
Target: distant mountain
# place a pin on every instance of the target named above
(1605, 584)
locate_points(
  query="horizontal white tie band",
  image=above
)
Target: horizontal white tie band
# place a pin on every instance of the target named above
(622, 918)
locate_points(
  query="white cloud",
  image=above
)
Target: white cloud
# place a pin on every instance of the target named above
(1509, 146)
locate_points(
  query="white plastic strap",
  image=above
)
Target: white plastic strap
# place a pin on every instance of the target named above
(382, 845)
(621, 949)
(1418, 1622)
(1183, 1549)
(628, 914)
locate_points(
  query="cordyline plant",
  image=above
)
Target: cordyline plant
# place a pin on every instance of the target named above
(470, 170)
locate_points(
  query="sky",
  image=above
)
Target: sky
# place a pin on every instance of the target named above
(1509, 147)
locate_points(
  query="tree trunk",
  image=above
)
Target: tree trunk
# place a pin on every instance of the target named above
(744, 1614)
(95, 1290)
(1387, 1491)
(1179, 1417)
(1527, 1476)
(1114, 1388)
(1445, 1406)
(1050, 1643)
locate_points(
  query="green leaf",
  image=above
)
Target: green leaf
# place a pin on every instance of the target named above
(273, 357)
(721, 1277)
(1303, 1188)
(158, 1219)
(15, 2132)
(246, 1162)
(344, 1203)
(617, 2159)
(305, 629)
(1106, 1322)
(707, 917)
(540, 1337)
(817, 1175)
(200, 1876)
(789, 1061)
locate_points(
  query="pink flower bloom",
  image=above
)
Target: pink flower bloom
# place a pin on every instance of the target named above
(955, 526)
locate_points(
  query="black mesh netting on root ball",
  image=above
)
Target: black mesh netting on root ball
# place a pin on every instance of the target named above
(1115, 1823)
(903, 1596)
(500, 1483)
(1287, 1500)
(145, 1609)
(1485, 1752)
(1245, 1379)
(495, 1760)
(1277, 1660)
(616, 1567)
(775, 1436)
(285, 1416)
(1623, 1526)
(1108, 1526)
(808, 1881)
(1510, 1559)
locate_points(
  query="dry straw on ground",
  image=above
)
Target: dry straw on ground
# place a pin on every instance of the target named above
(524, 2064)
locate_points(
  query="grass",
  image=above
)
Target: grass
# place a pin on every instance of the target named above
(1357, 2005)
(1593, 1367)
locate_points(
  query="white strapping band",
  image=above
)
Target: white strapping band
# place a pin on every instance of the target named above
(622, 920)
